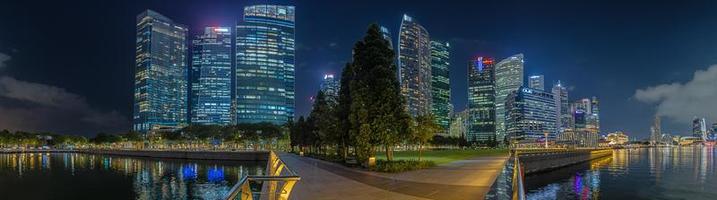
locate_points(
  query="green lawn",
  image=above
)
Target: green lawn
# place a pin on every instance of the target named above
(443, 156)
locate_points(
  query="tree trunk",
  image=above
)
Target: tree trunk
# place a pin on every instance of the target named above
(420, 151)
(389, 153)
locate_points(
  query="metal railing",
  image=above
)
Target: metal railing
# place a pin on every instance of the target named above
(274, 185)
(518, 187)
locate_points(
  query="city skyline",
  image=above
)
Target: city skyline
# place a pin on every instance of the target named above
(102, 103)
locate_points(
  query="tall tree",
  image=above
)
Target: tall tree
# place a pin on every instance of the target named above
(342, 111)
(424, 130)
(377, 114)
(325, 120)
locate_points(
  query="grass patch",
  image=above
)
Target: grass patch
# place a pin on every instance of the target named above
(443, 156)
(402, 165)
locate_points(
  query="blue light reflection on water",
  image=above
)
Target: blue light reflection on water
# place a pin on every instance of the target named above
(78, 176)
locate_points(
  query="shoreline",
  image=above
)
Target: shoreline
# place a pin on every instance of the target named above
(170, 154)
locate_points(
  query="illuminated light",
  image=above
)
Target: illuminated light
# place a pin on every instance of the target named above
(326, 76)
(215, 174)
(221, 30)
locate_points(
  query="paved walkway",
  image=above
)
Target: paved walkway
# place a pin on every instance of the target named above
(466, 179)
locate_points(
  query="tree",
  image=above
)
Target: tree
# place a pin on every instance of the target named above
(343, 108)
(424, 130)
(325, 121)
(377, 115)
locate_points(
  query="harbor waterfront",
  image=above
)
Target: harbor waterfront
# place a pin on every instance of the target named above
(686, 172)
(93, 176)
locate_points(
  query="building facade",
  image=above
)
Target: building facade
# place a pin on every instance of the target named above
(440, 84)
(536, 82)
(211, 77)
(481, 100)
(699, 128)
(265, 64)
(530, 115)
(414, 65)
(330, 87)
(160, 79)
(459, 124)
(508, 78)
(565, 120)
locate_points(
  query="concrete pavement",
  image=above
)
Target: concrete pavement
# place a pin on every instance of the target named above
(466, 179)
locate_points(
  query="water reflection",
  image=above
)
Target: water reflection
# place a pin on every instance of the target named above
(649, 173)
(146, 178)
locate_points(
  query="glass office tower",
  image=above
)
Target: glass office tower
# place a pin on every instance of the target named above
(330, 87)
(440, 84)
(508, 78)
(265, 65)
(414, 61)
(536, 82)
(211, 77)
(530, 114)
(565, 118)
(160, 80)
(481, 100)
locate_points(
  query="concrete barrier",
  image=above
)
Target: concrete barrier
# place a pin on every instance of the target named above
(534, 162)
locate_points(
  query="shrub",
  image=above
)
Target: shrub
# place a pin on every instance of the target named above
(402, 165)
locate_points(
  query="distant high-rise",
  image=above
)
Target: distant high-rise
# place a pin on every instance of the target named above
(563, 106)
(160, 79)
(211, 77)
(530, 114)
(594, 115)
(699, 128)
(536, 82)
(508, 78)
(386, 33)
(481, 100)
(265, 60)
(656, 131)
(414, 61)
(440, 84)
(330, 87)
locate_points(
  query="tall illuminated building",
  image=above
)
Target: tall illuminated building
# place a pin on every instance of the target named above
(508, 78)
(265, 61)
(330, 87)
(481, 100)
(536, 82)
(211, 77)
(699, 128)
(386, 34)
(414, 61)
(531, 114)
(440, 84)
(565, 119)
(655, 131)
(160, 79)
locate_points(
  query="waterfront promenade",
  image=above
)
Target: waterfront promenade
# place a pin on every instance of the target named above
(465, 179)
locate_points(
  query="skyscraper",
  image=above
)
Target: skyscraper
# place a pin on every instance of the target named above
(330, 87)
(508, 78)
(481, 100)
(563, 106)
(656, 131)
(386, 33)
(699, 128)
(530, 114)
(211, 77)
(265, 65)
(440, 84)
(414, 61)
(160, 79)
(536, 82)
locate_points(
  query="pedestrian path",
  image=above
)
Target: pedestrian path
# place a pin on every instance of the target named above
(466, 179)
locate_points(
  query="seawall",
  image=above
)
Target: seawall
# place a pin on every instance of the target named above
(192, 155)
(535, 162)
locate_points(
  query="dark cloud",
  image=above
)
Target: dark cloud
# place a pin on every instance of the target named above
(680, 102)
(4, 58)
(39, 107)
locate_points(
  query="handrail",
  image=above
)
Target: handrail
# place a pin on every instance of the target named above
(278, 188)
(518, 187)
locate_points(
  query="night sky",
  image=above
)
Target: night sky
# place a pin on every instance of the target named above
(67, 66)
